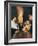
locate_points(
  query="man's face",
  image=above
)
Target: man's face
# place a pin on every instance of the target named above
(30, 17)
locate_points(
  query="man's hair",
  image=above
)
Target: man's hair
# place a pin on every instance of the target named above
(12, 17)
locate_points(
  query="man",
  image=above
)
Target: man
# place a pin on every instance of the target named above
(14, 26)
(30, 19)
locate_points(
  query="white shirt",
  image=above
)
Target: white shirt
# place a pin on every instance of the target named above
(14, 25)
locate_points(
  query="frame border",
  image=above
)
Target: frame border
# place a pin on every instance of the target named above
(6, 30)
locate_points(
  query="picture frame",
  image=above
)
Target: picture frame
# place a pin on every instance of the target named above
(7, 23)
